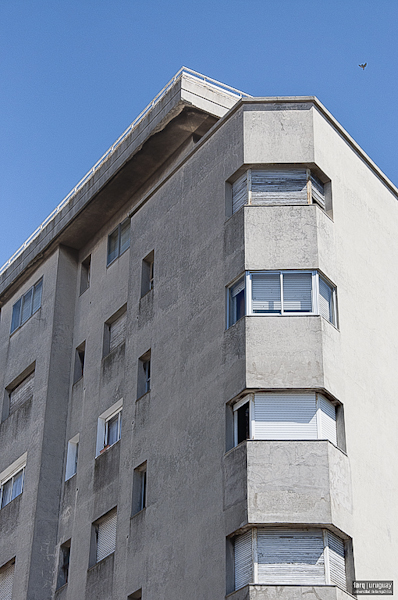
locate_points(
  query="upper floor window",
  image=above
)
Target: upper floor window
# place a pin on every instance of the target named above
(26, 306)
(105, 535)
(282, 293)
(118, 241)
(109, 427)
(284, 416)
(147, 273)
(283, 186)
(12, 481)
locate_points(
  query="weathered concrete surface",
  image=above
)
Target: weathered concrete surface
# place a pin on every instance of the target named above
(289, 592)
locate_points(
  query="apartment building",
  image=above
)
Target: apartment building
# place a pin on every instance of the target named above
(198, 362)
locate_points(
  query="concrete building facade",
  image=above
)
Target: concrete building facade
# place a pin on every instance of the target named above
(198, 364)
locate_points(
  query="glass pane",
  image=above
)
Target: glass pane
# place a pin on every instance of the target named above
(113, 246)
(112, 430)
(7, 493)
(326, 300)
(124, 235)
(18, 485)
(147, 369)
(266, 293)
(16, 315)
(37, 296)
(297, 292)
(236, 302)
(27, 306)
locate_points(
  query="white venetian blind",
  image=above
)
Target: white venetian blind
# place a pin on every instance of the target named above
(6, 581)
(327, 425)
(266, 292)
(318, 192)
(336, 560)
(243, 560)
(117, 332)
(290, 557)
(297, 292)
(285, 417)
(239, 193)
(325, 300)
(22, 393)
(287, 186)
(106, 535)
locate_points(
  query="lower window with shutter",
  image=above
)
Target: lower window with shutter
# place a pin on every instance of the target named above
(279, 556)
(105, 530)
(117, 332)
(6, 580)
(21, 393)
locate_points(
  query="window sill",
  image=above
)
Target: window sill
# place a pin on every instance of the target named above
(140, 512)
(143, 395)
(106, 449)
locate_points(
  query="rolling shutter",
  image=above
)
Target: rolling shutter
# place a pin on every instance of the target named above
(290, 557)
(118, 332)
(266, 292)
(239, 193)
(285, 417)
(297, 292)
(327, 421)
(279, 186)
(106, 536)
(325, 300)
(336, 560)
(243, 560)
(318, 192)
(6, 581)
(22, 393)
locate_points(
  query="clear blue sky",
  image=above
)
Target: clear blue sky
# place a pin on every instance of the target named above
(75, 73)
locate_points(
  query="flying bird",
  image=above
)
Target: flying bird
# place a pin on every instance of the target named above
(363, 65)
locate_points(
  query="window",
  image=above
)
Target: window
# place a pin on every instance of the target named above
(79, 362)
(109, 427)
(63, 565)
(282, 293)
(279, 556)
(118, 241)
(12, 481)
(105, 535)
(144, 374)
(115, 331)
(139, 488)
(269, 187)
(71, 457)
(7, 580)
(284, 416)
(85, 273)
(19, 392)
(26, 306)
(147, 274)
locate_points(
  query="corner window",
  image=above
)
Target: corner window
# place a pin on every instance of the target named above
(26, 306)
(281, 556)
(118, 241)
(139, 488)
(290, 416)
(282, 293)
(12, 481)
(144, 374)
(109, 427)
(72, 457)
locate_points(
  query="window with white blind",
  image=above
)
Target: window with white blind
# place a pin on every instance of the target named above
(280, 556)
(273, 187)
(109, 427)
(12, 481)
(281, 293)
(285, 416)
(105, 535)
(7, 580)
(115, 331)
(26, 306)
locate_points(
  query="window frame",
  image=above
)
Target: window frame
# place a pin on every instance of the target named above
(72, 457)
(247, 277)
(119, 249)
(20, 303)
(103, 427)
(9, 474)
